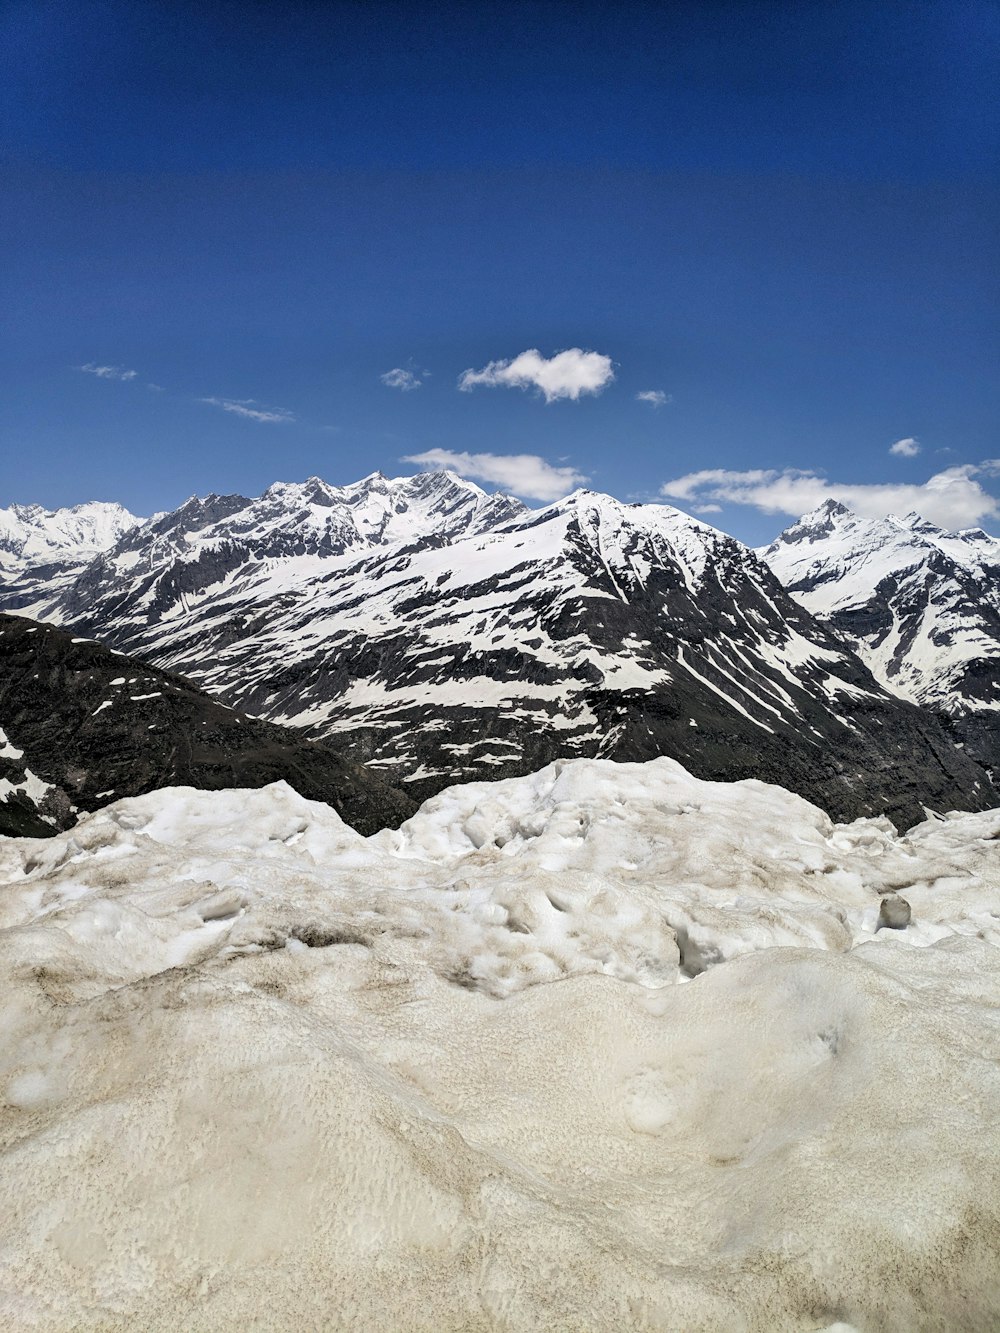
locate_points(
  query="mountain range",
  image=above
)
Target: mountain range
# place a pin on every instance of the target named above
(438, 634)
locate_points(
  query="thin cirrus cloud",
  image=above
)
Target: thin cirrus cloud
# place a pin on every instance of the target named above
(527, 475)
(953, 498)
(569, 374)
(250, 409)
(908, 448)
(108, 372)
(655, 397)
(398, 378)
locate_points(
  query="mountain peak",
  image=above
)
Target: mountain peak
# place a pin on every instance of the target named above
(915, 522)
(815, 526)
(829, 509)
(33, 535)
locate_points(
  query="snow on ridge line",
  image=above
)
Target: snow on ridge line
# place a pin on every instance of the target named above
(31, 534)
(920, 605)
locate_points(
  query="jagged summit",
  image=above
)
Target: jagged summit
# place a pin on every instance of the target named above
(816, 524)
(920, 605)
(32, 535)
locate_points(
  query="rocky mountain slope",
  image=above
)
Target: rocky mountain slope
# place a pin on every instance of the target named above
(920, 606)
(442, 634)
(81, 726)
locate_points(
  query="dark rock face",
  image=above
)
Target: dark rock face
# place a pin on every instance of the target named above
(441, 635)
(83, 726)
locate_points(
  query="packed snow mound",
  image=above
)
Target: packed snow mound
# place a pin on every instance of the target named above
(261, 1071)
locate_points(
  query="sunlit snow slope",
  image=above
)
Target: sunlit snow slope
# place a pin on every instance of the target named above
(43, 550)
(921, 606)
(260, 1072)
(441, 633)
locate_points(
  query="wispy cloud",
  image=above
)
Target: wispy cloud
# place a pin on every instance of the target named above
(108, 372)
(399, 378)
(953, 498)
(655, 397)
(527, 475)
(908, 448)
(569, 374)
(250, 409)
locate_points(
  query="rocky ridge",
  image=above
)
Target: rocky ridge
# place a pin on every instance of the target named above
(81, 726)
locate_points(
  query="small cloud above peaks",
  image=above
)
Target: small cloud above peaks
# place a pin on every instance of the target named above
(952, 498)
(398, 378)
(108, 372)
(655, 397)
(250, 409)
(523, 474)
(569, 374)
(907, 448)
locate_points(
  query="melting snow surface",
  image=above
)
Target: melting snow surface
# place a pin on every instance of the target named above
(258, 1071)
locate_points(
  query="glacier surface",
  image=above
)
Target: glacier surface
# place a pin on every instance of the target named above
(603, 1047)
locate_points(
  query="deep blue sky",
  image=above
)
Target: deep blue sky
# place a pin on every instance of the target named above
(784, 216)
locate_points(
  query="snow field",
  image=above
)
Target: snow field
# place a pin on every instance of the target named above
(260, 1072)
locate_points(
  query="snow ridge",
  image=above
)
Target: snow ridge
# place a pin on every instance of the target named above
(31, 535)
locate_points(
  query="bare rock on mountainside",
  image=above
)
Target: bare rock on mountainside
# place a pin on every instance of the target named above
(81, 725)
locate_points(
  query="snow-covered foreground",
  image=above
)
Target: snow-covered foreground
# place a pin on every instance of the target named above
(259, 1072)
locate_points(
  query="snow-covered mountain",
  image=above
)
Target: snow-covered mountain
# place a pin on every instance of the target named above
(443, 634)
(921, 607)
(46, 548)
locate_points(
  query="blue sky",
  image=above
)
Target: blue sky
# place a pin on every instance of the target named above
(783, 218)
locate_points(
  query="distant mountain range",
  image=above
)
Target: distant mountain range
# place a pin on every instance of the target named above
(441, 634)
(919, 605)
(48, 547)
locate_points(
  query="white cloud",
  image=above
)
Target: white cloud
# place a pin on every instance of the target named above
(109, 372)
(568, 374)
(952, 498)
(523, 474)
(908, 448)
(249, 408)
(655, 397)
(400, 379)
